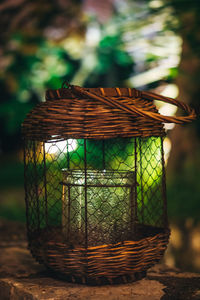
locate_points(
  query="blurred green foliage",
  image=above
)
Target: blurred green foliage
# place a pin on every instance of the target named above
(36, 64)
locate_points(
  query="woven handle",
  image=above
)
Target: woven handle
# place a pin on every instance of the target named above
(168, 119)
(136, 110)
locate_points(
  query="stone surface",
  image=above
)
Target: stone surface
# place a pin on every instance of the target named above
(21, 277)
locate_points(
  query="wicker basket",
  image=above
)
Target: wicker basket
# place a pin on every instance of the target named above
(95, 115)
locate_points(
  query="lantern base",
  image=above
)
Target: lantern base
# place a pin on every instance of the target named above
(126, 278)
(122, 262)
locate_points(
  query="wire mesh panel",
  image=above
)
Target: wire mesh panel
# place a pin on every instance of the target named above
(151, 197)
(92, 193)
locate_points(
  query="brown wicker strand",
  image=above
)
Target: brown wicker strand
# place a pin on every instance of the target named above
(109, 101)
(66, 115)
(169, 119)
(136, 110)
(104, 261)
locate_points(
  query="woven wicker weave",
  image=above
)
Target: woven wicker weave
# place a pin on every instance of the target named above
(74, 113)
(114, 263)
(98, 114)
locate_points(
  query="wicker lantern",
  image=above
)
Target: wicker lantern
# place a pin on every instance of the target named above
(95, 182)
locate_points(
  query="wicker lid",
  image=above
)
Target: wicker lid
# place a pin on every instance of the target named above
(93, 113)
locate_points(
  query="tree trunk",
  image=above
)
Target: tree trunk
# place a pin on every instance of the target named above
(185, 139)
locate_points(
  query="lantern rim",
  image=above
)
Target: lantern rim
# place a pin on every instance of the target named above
(66, 115)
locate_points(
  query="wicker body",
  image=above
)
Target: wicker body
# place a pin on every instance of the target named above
(62, 233)
(114, 263)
